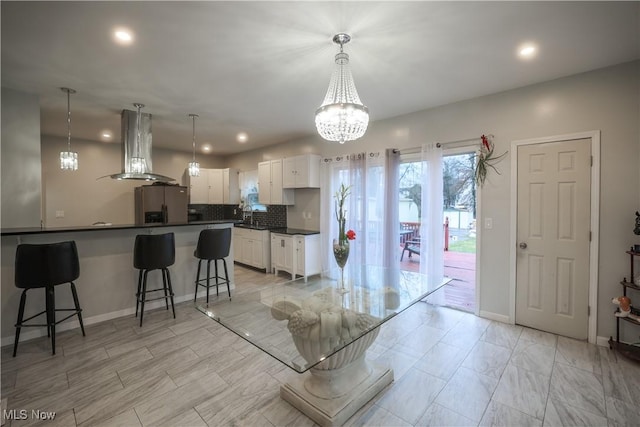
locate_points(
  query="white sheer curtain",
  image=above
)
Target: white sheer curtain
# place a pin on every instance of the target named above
(367, 208)
(431, 227)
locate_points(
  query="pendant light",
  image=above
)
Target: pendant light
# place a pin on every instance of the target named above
(137, 162)
(194, 167)
(342, 116)
(68, 159)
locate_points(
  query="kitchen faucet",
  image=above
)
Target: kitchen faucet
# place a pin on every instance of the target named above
(247, 208)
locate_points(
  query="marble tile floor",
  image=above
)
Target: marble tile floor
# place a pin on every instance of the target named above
(451, 369)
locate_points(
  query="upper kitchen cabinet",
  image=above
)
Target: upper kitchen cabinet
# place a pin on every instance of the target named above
(301, 171)
(270, 190)
(230, 187)
(214, 187)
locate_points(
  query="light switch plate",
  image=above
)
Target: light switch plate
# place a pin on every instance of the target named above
(59, 214)
(488, 223)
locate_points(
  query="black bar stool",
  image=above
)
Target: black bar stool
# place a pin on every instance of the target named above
(46, 266)
(154, 252)
(213, 245)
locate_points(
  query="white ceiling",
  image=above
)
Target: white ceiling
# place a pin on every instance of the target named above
(264, 67)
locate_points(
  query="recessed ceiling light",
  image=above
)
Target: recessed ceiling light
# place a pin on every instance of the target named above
(206, 148)
(242, 137)
(527, 51)
(106, 135)
(123, 36)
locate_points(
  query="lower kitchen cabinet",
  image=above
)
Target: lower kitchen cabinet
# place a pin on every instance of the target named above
(251, 247)
(282, 253)
(298, 255)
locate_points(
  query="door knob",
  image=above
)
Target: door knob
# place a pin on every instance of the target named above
(523, 245)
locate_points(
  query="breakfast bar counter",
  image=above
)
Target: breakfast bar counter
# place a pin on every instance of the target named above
(108, 280)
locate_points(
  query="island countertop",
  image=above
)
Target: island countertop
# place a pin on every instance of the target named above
(108, 278)
(98, 227)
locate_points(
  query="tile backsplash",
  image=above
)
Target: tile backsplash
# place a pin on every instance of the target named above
(275, 216)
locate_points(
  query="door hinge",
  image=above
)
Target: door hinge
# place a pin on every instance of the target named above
(591, 160)
(590, 233)
(588, 310)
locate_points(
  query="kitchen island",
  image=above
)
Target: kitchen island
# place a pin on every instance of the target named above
(108, 281)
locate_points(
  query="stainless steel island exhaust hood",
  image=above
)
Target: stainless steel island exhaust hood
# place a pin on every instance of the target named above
(136, 148)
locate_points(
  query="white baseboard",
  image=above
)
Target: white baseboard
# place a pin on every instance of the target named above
(602, 341)
(495, 316)
(27, 334)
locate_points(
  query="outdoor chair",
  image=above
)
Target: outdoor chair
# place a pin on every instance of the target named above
(411, 246)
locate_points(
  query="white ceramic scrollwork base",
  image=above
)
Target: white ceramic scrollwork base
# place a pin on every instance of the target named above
(336, 388)
(335, 383)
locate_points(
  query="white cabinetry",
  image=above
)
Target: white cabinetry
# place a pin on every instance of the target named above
(270, 191)
(282, 253)
(198, 188)
(251, 247)
(214, 187)
(307, 255)
(297, 254)
(301, 171)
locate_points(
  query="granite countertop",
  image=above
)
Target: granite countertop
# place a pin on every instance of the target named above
(103, 226)
(294, 231)
(278, 230)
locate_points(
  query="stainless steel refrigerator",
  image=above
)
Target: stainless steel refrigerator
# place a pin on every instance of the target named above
(164, 204)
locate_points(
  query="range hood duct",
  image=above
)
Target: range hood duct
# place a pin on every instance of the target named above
(138, 148)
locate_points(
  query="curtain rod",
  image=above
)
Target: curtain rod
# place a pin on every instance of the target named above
(438, 144)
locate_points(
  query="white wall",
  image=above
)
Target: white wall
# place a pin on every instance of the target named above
(606, 100)
(21, 180)
(83, 198)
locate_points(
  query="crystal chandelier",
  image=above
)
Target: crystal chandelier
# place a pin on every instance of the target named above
(137, 163)
(194, 167)
(68, 159)
(342, 116)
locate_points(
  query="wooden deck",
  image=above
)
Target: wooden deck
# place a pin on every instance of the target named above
(461, 267)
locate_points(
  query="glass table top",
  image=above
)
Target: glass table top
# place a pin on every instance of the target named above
(285, 318)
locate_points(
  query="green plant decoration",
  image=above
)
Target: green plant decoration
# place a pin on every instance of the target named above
(486, 160)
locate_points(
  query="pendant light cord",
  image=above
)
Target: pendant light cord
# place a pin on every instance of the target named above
(193, 143)
(69, 92)
(68, 120)
(193, 116)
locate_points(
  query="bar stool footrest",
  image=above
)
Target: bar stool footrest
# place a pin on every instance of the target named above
(24, 325)
(221, 281)
(155, 299)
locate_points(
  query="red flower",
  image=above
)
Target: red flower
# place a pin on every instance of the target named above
(351, 235)
(485, 142)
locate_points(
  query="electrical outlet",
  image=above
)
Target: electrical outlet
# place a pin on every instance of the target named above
(59, 214)
(488, 223)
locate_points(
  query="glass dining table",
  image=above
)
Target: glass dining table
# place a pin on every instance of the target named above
(322, 330)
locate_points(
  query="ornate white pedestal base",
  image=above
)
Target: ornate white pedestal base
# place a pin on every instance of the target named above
(353, 386)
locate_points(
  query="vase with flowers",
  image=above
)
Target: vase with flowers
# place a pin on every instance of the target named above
(341, 244)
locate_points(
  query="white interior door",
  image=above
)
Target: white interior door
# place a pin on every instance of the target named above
(553, 221)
